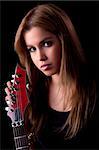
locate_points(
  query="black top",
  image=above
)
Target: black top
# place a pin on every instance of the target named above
(86, 138)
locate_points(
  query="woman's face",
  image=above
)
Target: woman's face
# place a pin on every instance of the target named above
(45, 50)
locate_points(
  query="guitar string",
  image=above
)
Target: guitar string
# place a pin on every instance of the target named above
(17, 95)
(17, 130)
(19, 142)
(17, 102)
(20, 117)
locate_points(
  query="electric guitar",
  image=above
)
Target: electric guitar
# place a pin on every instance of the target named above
(20, 101)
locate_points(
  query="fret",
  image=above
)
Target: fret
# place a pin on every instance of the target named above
(23, 148)
(21, 141)
(19, 130)
(20, 137)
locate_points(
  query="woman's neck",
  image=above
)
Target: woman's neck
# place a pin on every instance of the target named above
(56, 94)
(55, 80)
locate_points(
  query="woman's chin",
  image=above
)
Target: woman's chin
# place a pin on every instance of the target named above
(49, 73)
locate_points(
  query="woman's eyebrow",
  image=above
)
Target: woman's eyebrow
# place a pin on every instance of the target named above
(46, 38)
(42, 41)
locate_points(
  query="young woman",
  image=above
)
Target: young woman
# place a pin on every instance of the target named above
(62, 91)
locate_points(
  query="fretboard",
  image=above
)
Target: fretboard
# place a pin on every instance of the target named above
(20, 138)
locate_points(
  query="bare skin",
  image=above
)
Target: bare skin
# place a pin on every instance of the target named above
(44, 48)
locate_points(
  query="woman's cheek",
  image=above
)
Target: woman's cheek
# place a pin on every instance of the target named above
(32, 58)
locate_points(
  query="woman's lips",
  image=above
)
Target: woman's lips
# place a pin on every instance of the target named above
(46, 66)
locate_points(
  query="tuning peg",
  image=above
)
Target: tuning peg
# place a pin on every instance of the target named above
(8, 102)
(12, 88)
(18, 75)
(13, 76)
(15, 82)
(13, 95)
(12, 81)
(27, 86)
(6, 108)
(9, 109)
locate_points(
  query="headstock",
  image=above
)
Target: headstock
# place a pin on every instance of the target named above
(19, 95)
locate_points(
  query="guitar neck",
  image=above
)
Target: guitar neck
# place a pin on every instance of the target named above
(20, 138)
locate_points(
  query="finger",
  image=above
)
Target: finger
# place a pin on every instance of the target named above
(7, 91)
(8, 101)
(8, 98)
(9, 109)
(11, 88)
(11, 97)
(9, 84)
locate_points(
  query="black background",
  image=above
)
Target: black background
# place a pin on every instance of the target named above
(84, 16)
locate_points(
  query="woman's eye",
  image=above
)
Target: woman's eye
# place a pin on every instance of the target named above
(31, 49)
(47, 43)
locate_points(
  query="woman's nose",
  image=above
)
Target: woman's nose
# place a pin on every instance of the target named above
(41, 55)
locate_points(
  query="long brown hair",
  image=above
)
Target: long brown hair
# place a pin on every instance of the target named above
(73, 69)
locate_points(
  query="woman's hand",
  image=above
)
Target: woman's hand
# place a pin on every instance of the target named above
(11, 92)
(10, 97)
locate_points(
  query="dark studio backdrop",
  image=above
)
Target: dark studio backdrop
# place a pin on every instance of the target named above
(84, 16)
